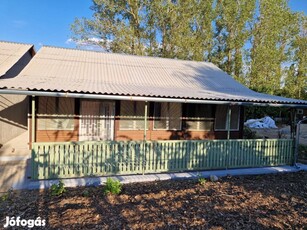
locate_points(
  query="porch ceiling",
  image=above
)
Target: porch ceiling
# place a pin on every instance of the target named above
(79, 71)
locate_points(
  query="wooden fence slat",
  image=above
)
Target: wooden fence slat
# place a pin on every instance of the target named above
(75, 159)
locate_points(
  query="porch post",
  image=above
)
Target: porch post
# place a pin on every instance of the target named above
(33, 120)
(228, 122)
(145, 121)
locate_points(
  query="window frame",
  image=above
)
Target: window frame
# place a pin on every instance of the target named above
(201, 119)
(225, 129)
(167, 119)
(131, 117)
(54, 117)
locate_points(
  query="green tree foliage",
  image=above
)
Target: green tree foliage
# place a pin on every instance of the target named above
(296, 78)
(261, 43)
(273, 31)
(116, 26)
(232, 31)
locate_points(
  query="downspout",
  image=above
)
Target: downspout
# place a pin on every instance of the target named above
(228, 120)
(145, 136)
(33, 122)
(297, 141)
(145, 121)
(33, 153)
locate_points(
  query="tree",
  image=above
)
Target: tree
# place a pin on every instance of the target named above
(296, 78)
(273, 34)
(232, 31)
(116, 26)
(184, 27)
(261, 43)
(165, 28)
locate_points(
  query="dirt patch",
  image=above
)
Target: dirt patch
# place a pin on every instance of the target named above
(253, 202)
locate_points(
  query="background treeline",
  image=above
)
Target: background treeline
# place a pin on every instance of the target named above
(261, 43)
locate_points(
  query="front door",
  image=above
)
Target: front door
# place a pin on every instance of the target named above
(96, 120)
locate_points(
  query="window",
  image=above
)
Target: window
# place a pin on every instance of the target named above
(199, 117)
(167, 116)
(132, 115)
(221, 117)
(55, 113)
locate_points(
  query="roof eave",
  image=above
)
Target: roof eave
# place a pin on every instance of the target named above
(147, 98)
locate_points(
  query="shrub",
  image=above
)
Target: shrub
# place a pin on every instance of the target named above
(112, 187)
(58, 189)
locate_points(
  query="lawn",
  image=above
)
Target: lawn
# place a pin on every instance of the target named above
(252, 202)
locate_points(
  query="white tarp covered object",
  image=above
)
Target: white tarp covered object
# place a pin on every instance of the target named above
(265, 122)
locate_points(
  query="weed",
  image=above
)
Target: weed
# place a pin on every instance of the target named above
(7, 195)
(112, 187)
(202, 181)
(58, 189)
(86, 193)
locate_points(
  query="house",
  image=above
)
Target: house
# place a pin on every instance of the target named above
(97, 113)
(13, 108)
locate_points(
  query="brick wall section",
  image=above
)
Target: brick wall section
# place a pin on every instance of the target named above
(58, 135)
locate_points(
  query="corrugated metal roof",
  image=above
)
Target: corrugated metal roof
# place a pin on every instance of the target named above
(71, 70)
(10, 53)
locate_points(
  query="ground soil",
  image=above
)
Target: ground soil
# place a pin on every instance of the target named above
(251, 202)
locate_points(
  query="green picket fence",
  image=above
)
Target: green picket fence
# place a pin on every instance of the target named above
(78, 159)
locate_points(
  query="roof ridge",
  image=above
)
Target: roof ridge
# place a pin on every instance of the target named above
(123, 54)
(19, 43)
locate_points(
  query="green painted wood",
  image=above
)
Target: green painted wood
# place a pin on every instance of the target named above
(78, 159)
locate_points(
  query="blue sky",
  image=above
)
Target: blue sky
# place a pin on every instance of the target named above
(42, 22)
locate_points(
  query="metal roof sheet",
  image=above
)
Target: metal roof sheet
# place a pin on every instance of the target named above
(72, 70)
(10, 53)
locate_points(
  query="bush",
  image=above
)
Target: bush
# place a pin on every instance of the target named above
(58, 189)
(112, 187)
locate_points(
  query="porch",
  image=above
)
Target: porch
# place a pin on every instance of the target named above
(99, 158)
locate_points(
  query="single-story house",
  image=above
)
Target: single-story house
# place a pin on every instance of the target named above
(13, 108)
(95, 113)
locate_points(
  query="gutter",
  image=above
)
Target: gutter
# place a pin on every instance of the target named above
(142, 98)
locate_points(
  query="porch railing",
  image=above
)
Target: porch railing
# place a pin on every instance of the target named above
(77, 159)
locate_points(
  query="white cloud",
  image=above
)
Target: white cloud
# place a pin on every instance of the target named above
(69, 41)
(89, 44)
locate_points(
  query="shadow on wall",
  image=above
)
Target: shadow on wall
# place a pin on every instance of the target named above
(13, 116)
(12, 112)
